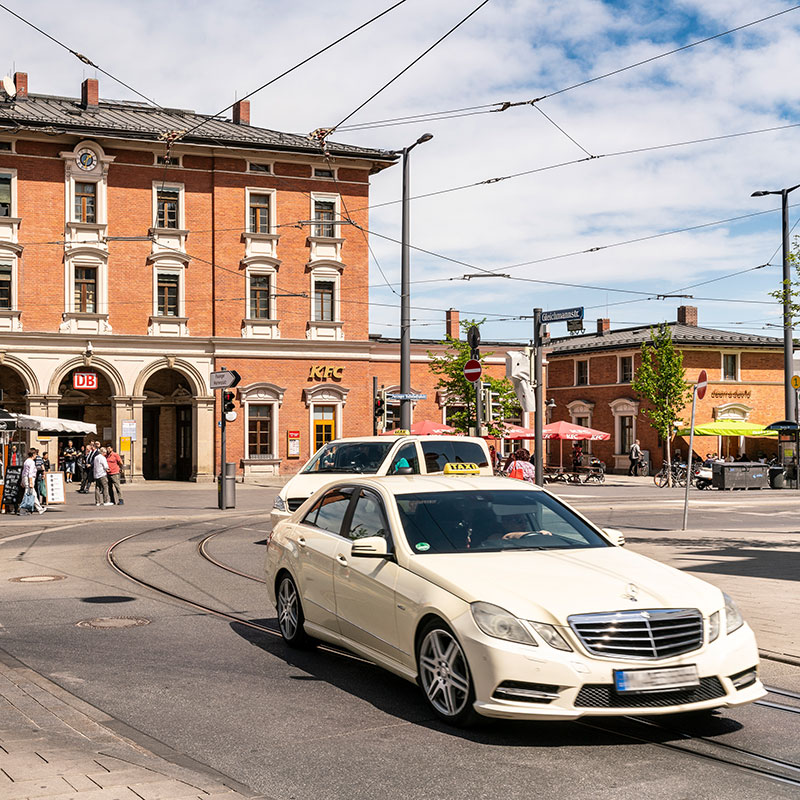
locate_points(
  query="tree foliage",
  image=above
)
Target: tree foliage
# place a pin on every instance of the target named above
(460, 393)
(791, 289)
(660, 383)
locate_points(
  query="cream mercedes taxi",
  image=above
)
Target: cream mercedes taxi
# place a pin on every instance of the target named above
(501, 600)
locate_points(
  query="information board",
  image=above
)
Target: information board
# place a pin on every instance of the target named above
(11, 486)
(54, 481)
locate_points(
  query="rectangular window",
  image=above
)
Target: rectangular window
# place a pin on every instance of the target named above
(323, 301)
(86, 290)
(6, 146)
(170, 161)
(5, 195)
(85, 202)
(324, 425)
(253, 167)
(324, 216)
(167, 201)
(626, 369)
(259, 213)
(323, 173)
(625, 434)
(729, 367)
(5, 286)
(259, 296)
(581, 373)
(168, 285)
(259, 431)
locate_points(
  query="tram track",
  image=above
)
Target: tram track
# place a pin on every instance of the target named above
(703, 747)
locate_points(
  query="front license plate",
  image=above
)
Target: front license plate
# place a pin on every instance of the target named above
(655, 680)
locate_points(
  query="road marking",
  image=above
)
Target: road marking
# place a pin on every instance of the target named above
(41, 530)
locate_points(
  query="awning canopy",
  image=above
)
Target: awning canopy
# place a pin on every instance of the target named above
(566, 430)
(729, 427)
(26, 422)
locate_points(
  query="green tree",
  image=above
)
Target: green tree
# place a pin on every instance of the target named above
(660, 382)
(791, 289)
(449, 366)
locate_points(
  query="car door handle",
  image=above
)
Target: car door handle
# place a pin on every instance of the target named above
(301, 541)
(341, 559)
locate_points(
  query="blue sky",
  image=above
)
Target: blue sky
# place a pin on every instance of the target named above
(193, 55)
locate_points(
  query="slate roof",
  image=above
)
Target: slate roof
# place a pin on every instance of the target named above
(681, 335)
(134, 120)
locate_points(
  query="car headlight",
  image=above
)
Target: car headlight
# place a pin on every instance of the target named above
(551, 635)
(279, 504)
(733, 617)
(498, 623)
(713, 626)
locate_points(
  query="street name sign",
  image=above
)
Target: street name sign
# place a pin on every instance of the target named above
(702, 384)
(473, 370)
(562, 314)
(224, 379)
(407, 396)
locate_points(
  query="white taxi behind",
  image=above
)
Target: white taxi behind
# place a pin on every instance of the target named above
(501, 600)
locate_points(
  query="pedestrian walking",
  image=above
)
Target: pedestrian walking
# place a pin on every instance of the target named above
(115, 464)
(30, 501)
(42, 465)
(70, 456)
(635, 456)
(88, 474)
(100, 474)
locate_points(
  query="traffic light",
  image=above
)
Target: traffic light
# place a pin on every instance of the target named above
(380, 407)
(227, 400)
(492, 411)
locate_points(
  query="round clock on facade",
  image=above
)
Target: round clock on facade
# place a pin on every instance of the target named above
(87, 159)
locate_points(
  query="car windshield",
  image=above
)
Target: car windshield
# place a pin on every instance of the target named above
(361, 457)
(502, 519)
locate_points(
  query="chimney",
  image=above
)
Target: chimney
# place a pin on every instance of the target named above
(603, 326)
(687, 315)
(241, 112)
(90, 93)
(453, 328)
(21, 82)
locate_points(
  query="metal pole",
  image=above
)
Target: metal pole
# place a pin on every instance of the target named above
(405, 309)
(788, 339)
(222, 494)
(538, 395)
(478, 406)
(374, 401)
(689, 462)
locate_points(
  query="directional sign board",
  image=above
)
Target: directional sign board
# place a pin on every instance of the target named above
(562, 314)
(400, 396)
(224, 379)
(702, 384)
(473, 370)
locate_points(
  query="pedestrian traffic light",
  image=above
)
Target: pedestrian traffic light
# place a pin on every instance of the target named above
(227, 400)
(380, 407)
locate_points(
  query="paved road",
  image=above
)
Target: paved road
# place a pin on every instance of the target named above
(323, 724)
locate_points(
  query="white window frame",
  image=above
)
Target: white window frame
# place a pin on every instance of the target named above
(624, 407)
(171, 269)
(619, 369)
(325, 394)
(326, 275)
(181, 189)
(175, 161)
(11, 260)
(273, 213)
(99, 184)
(272, 273)
(337, 213)
(269, 171)
(12, 142)
(332, 177)
(738, 356)
(273, 405)
(14, 206)
(588, 374)
(101, 265)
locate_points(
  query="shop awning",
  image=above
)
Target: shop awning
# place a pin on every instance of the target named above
(729, 427)
(26, 422)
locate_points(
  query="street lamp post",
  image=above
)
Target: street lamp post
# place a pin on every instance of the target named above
(405, 303)
(788, 333)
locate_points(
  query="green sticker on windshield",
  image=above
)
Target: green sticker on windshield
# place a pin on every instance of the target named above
(422, 546)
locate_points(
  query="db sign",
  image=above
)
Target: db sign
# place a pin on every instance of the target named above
(84, 380)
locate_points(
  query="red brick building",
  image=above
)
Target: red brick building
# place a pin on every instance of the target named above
(152, 266)
(589, 376)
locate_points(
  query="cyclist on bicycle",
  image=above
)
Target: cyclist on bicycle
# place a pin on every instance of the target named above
(635, 456)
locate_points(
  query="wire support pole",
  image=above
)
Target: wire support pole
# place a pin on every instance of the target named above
(405, 302)
(538, 397)
(788, 332)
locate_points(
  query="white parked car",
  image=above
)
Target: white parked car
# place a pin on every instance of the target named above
(501, 600)
(377, 455)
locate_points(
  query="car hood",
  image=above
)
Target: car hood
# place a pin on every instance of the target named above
(306, 484)
(548, 586)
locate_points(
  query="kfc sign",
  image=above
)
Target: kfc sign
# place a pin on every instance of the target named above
(84, 380)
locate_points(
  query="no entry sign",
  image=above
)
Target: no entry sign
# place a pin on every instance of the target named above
(702, 384)
(84, 380)
(472, 370)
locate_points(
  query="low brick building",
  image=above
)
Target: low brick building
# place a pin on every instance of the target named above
(589, 376)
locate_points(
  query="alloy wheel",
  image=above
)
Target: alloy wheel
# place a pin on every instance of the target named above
(288, 607)
(444, 673)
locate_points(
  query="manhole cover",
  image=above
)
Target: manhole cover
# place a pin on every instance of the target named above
(37, 578)
(113, 622)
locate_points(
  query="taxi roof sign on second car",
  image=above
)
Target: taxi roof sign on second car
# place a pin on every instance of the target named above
(461, 469)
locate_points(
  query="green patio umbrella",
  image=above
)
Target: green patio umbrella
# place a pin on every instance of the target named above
(729, 427)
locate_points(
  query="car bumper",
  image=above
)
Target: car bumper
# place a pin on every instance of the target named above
(570, 685)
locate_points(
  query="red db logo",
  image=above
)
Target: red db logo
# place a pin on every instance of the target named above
(84, 380)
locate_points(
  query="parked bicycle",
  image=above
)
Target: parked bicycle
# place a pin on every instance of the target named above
(661, 478)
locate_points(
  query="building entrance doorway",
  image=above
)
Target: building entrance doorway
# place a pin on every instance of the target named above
(168, 452)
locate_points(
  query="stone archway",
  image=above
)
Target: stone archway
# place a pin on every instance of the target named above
(15, 390)
(93, 406)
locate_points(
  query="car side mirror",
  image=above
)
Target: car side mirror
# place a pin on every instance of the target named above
(617, 538)
(370, 547)
(403, 471)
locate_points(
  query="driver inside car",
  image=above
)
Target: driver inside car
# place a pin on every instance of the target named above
(511, 527)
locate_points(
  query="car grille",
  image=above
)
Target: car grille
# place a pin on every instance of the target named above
(604, 695)
(658, 633)
(293, 503)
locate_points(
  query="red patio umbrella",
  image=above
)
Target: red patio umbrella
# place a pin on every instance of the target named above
(425, 427)
(517, 432)
(566, 430)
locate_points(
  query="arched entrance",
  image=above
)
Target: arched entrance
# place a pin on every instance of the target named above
(168, 422)
(93, 406)
(14, 390)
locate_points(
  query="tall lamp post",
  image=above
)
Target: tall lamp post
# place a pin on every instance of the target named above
(788, 344)
(405, 303)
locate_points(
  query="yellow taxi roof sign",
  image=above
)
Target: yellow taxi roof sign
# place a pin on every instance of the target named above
(461, 469)
(401, 432)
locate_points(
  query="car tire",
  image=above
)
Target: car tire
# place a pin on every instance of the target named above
(290, 613)
(444, 675)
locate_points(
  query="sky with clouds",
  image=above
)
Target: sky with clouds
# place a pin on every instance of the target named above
(201, 55)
